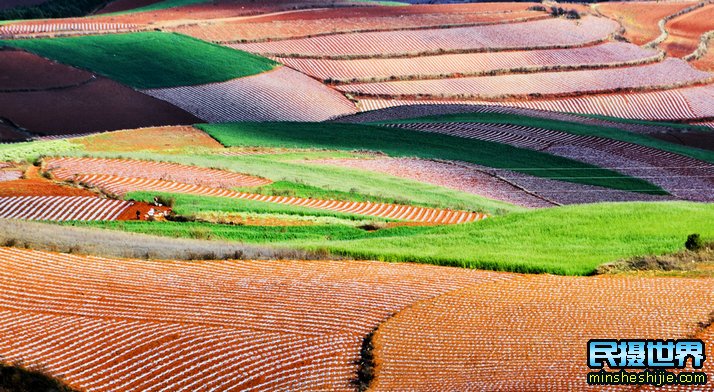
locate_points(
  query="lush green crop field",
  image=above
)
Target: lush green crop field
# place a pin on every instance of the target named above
(191, 205)
(295, 168)
(29, 151)
(406, 143)
(570, 240)
(570, 127)
(149, 59)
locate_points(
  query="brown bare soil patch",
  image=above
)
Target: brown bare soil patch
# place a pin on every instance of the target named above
(164, 139)
(39, 187)
(686, 31)
(640, 18)
(479, 337)
(100, 105)
(143, 209)
(26, 71)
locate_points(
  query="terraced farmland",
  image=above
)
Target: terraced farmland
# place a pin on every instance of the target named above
(668, 73)
(353, 195)
(532, 35)
(265, 97)
(67, 168)
(640, 18)
(33, 29)
(346, 20)
(469, 64)
(681, 176)
(61, 208)
(231, 336)
(453, 335)
(117, 185)
(689, 103)
(685, 31)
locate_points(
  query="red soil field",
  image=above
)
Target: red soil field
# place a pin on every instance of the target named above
(26, 71)
(237, 334)
(686, 31)
(116, 185)
(35, 185)
(99, 105)
(535, 327)
(454, 65)
(640, 18)
(61, 208)
(547, 33)
(668, 73)
(67, 168)
(706, 62)
(669, 105)
(217, 9)
(39, 187)
(707, 336)
(349, 21)
(164, 139)
(269, 96)
(31, 29)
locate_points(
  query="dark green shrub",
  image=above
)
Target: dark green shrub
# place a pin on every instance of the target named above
(694, 242)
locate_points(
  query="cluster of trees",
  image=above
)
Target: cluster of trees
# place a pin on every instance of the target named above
(557, 11)
(52, 9)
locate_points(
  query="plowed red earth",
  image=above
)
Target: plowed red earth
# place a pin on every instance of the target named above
(686, 31)
(26, 71)
(39, 187)
(129, 325)
(640, 18)
(214, 10)
(346, 20)
(100, 105)
(164, 139)
(529, 333)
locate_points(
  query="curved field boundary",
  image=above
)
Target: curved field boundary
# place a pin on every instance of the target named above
(512, 187)
(502, 326)
(687, 31)
(702, 48)
(66, 168)
(662, 24)
(639, 18)
(234, 32)
(668, 105)
(61, 208)
(552, 33)
(606, 55)
(28, 30)
(122, 185)
(114, 325)
(270, 96)
(681, 176)
(670, 73)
